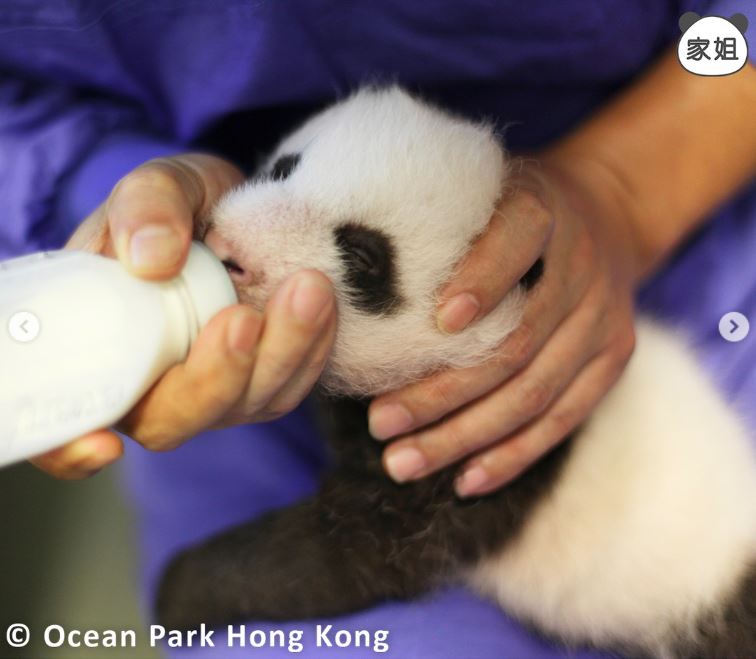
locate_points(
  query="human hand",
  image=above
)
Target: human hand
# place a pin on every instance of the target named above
(243, 367)
(575, 337)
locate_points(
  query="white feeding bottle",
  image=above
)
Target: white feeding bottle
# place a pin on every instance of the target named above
(82, 340)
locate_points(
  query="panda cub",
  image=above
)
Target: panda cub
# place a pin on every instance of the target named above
(637, 534)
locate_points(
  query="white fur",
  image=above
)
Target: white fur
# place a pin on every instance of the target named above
(386, 160)
(653, 520)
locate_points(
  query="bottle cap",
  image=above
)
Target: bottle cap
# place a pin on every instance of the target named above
(207, 283)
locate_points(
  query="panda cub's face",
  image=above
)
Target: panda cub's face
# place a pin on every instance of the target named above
(384, 195)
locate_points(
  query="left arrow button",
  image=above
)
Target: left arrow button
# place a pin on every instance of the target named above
(23, 326)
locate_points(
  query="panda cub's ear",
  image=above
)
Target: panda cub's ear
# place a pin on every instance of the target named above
(284, 166)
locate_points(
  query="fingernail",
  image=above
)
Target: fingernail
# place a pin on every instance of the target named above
(405, 463)
(471, 481)
(244, 331)
(389, 420)
(155, 246)
(309, 300)
(458, 313)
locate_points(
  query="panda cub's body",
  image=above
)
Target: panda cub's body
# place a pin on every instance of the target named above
(636, 534)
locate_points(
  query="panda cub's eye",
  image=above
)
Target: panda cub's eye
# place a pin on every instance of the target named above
(364, 260)
(284, 166)
(364, 252)
(369, 269)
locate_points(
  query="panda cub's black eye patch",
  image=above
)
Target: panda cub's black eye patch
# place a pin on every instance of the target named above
(284, 166)
(370, 269)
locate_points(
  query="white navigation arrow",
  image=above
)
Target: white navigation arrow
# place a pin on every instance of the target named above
(23, 326)
(734, 327)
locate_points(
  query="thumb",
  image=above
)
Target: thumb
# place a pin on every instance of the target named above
(81, 457)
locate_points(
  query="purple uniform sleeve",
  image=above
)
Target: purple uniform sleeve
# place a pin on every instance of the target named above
(60, 153)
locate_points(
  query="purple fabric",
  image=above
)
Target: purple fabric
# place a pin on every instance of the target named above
(73, 72)
(89, 89)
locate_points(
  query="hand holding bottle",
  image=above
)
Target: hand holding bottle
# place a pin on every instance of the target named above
(244, 366)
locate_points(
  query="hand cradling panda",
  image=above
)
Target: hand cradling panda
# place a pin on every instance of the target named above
(637, 534)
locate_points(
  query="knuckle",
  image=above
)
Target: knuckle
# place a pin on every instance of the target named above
(622, 349)
(201, 395)
(261, 416)
(317, 364)
(151, 175)
(534, 207)
(535, 395)
(277, 409)
(511, 460)
(254, 407)
(159, 441)
(281, 366)
(563, 422)
(156, 436)
(212, 396)
(628, 343)
(458, 441)
(149, 439)
(443, 391)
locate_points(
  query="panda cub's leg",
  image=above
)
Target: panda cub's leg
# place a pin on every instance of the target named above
(362, 539)
(322, 557)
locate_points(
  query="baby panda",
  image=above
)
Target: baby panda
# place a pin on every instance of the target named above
(637, 534)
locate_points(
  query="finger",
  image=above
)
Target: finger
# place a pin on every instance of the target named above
(82, 457)
(520, 228)
(152, 210)
(93, 235)
(296, 316)
(506, 460)
(194, 395)
(502, 411)
(303, 380)
(432, 398)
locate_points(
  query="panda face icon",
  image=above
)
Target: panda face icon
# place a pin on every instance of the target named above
(712, 45)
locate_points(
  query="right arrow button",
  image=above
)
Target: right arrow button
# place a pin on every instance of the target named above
(734, 327)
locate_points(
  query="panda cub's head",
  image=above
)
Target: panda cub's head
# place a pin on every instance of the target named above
(383, 194)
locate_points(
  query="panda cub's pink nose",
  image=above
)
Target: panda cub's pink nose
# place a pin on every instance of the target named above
(223, 250)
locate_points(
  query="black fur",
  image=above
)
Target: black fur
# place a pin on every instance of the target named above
(728, 633)
(360, 540)
(284, 166)
(370, 271)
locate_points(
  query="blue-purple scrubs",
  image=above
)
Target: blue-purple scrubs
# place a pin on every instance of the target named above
(89, 89)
